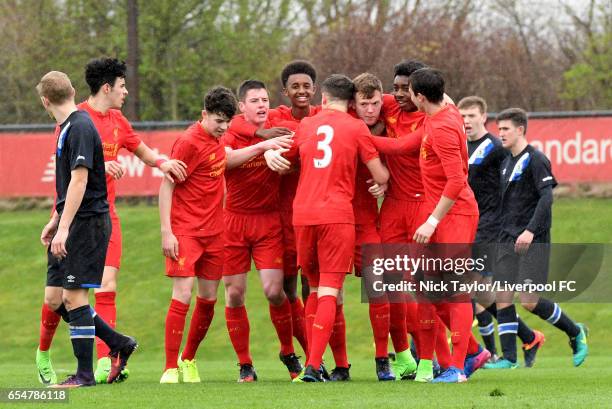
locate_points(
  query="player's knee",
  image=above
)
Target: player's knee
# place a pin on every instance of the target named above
(109, 285)
(529, 306)
(274, 293)
(234, 295)
(53, 302)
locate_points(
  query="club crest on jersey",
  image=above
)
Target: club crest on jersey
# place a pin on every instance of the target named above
(212, 157)
(116, 134)
(423, 150)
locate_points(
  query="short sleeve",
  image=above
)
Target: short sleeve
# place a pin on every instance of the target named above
(82, 140)
(184, 151)
(541, 172)
(130, 139)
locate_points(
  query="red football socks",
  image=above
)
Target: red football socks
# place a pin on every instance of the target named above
(175, 324)
(106, 308)
(49, 320)
(200, 322)
(299, 323)
(337, 339)
(282, 321)
(310, 311)
(379, 318)
(238, 327)
(321, 329)
(397, 328)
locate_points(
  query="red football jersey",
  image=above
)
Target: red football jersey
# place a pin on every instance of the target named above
(251, 187)
(116, 132)
(444, 162)
(280, 116)
(197, 202)
(405, 181)
(328, 145)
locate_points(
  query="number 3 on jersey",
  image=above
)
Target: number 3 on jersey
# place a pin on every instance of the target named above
(323, 145)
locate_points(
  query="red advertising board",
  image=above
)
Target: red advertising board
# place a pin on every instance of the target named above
(580, 150)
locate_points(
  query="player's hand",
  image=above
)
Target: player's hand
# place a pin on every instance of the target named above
(58, 244)
(47, 233)
(170, 246)
(424, 233)
(114, 168)
(276, 161)
(273, 132)
(377, 190)
(523, 242)
(281, 142)
(174, 167)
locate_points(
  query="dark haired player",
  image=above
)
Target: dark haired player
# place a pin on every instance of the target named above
(106, 80)
(449, 202)
(328, 146)
(253, 231)
(524, 239)
(77, 234)
(486, 155)
(298, 79)
(191, 214)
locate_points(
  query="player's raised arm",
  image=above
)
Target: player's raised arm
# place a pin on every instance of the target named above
(172, 167)
(397, 146)
(236, 157)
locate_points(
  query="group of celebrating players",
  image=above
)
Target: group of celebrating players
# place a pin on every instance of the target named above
(296, 188)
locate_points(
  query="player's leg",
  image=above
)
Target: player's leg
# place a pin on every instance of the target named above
(554, 314)
(209, 271)
(237, 257)
(48, 324)
(334, 249)
(534, 267)
(106, 308)
(105, 296)
(396, 220)
(175, 324)
(237, 322)
(290, 284)
(201, 319)
(507, 328)
(337, 343)
(82, 334)
(367, 248)
(268, 249)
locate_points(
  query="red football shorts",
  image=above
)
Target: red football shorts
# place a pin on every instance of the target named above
(365, 234)
(290, 267)
(455, 228)
(257, 235)
(200, 257)
(399, 219)
(113, 251)
(325, 253)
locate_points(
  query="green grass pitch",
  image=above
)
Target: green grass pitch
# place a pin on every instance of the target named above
(144, 294)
